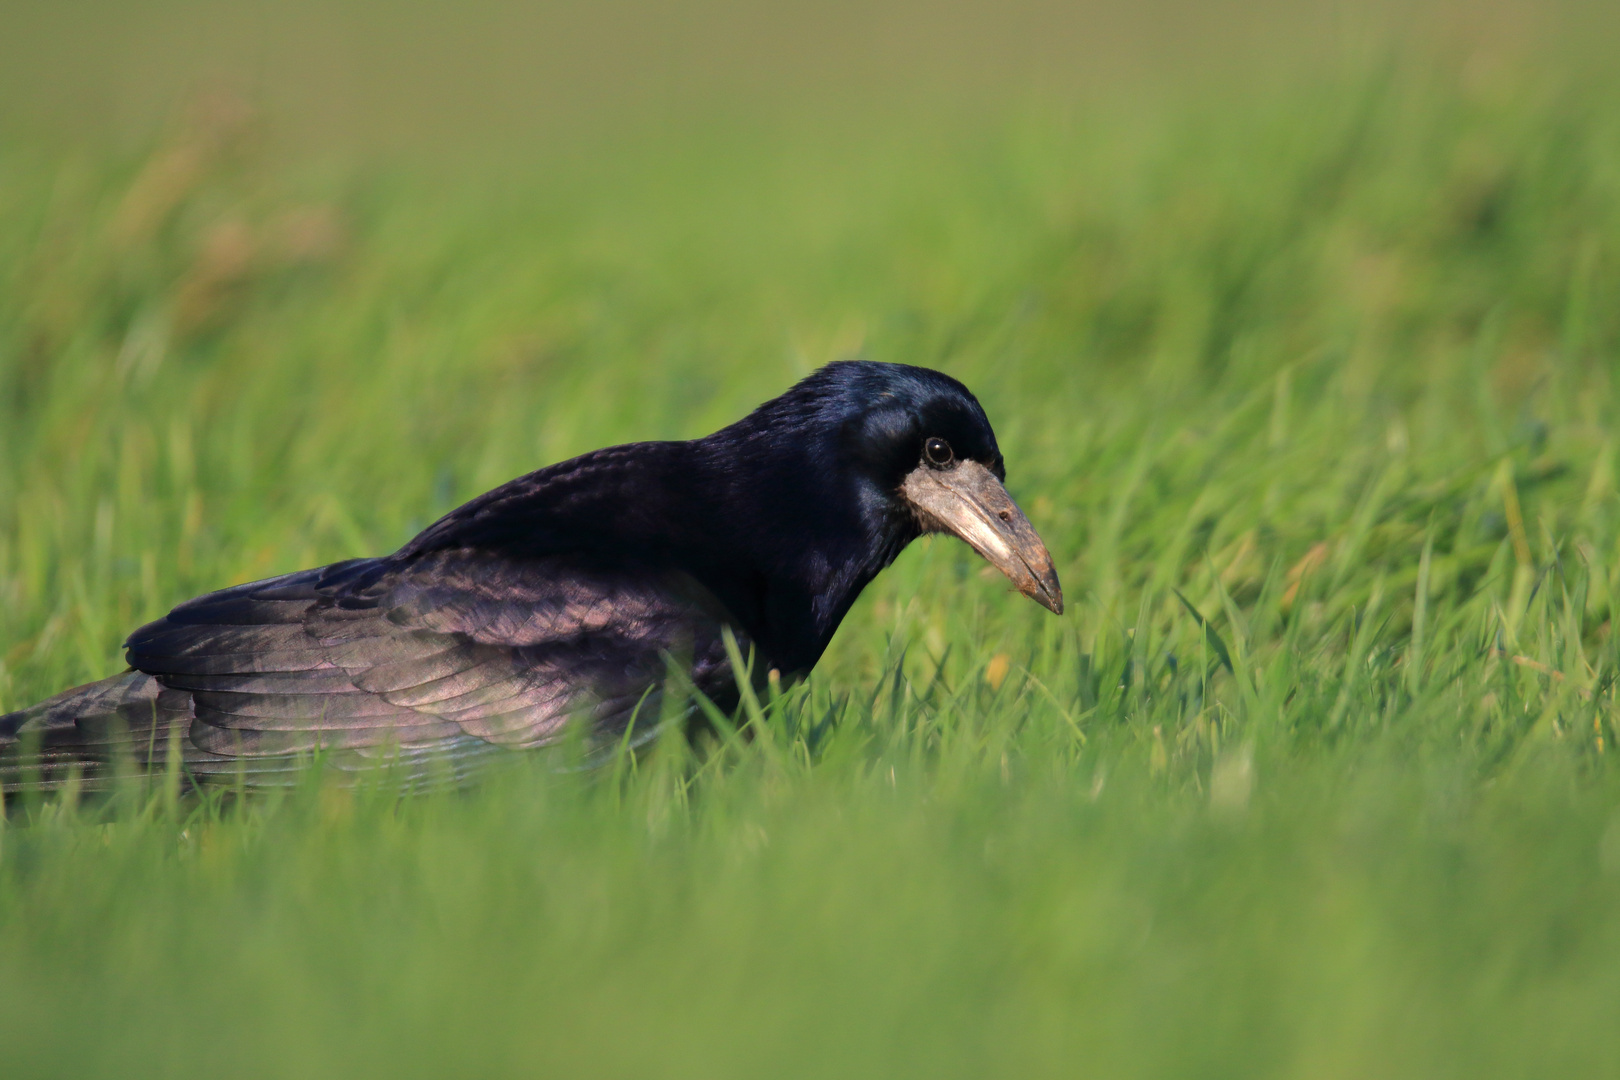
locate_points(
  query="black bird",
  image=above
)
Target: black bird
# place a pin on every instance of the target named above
(564, 594)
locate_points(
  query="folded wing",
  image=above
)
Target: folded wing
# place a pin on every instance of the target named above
(438, 664)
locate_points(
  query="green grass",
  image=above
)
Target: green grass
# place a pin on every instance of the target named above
(1336, 364)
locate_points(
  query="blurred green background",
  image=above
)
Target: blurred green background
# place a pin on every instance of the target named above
(1298, 325)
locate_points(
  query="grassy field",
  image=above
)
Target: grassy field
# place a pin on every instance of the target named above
(1310, 390)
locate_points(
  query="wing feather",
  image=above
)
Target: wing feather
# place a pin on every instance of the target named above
(433, 664)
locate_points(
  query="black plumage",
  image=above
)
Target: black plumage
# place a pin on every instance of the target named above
(562, 596)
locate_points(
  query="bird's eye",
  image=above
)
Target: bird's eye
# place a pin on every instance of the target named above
(938, 451)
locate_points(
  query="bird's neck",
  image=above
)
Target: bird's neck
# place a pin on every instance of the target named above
(802, 539)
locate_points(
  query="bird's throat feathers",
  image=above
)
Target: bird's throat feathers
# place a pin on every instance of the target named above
(812, 530)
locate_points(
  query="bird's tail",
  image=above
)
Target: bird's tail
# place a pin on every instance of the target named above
(83, 733)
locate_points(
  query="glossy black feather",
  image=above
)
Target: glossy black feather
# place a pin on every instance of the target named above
(559, 596)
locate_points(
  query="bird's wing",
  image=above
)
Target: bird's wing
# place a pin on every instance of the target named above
(444, 659)
(72, 737)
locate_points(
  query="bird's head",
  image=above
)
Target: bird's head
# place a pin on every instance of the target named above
(923, 457)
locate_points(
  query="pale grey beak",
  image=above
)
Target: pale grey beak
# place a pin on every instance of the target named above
(966, 500)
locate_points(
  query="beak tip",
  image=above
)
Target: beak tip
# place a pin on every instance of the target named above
(1048, 594)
